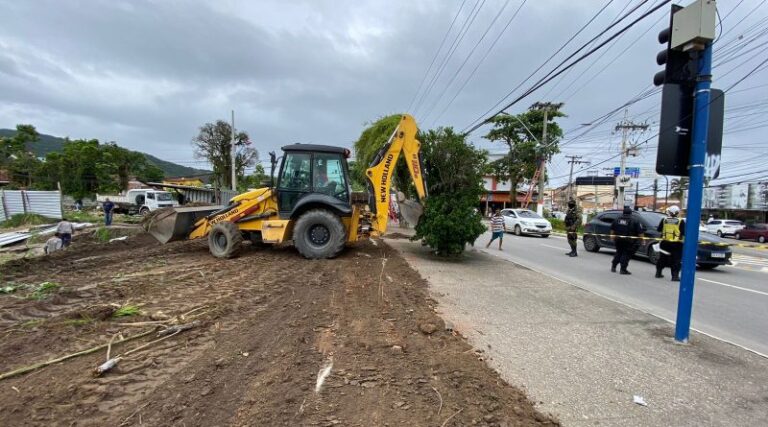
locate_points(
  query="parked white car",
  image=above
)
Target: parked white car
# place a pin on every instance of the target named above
(724, 227)
(524, 221)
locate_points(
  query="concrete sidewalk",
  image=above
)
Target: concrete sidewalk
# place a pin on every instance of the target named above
(583, 357)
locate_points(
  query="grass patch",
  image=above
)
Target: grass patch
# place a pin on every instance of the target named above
(102, 234)
(83, 216)
(77, 322)
(20, 220)
(127, 310)
(43, 290)
(32, 323)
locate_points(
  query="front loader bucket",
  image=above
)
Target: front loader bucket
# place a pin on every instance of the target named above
(172, 224)
(410, 210)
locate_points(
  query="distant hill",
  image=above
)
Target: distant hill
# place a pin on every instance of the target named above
(49, 144)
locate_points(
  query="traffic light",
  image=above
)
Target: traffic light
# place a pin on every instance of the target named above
(676, 122)
(679, 65)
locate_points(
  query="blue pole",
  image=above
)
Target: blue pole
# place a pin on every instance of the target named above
(695, 190)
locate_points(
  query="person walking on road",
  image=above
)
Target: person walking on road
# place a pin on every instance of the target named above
(108, 206)
(498, 228)
(672, 231)
(624, 231)
(572, 223)
(65, 230)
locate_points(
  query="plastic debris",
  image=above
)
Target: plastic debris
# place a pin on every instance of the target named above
(639, 400)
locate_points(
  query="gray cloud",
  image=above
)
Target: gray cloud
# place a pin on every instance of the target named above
(148, 73)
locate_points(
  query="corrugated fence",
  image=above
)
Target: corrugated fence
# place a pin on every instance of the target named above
(45, 203)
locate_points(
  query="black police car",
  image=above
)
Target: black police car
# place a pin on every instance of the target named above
(597, 231)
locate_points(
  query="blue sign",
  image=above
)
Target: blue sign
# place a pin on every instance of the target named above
(633, 172)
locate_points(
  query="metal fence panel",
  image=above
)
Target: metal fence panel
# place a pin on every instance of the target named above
(45, 203)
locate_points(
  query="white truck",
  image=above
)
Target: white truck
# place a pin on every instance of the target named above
(141, 201)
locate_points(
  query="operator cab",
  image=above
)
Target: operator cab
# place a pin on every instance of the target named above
(313, 174)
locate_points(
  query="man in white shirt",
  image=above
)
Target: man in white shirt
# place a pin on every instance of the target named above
(65, 231)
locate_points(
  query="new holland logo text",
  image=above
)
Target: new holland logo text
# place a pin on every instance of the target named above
(384, 176)
(416, 166)
(225, 216)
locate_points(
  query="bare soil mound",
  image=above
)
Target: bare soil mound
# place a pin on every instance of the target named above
(282, 341)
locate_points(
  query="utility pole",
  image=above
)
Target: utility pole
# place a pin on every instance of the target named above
(573, 160)
(233, 154)
(546, 107)
(626, 127)
(637, 195)
(655, 190)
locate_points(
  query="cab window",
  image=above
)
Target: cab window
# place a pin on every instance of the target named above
(151, 196)
(296, 172)
(328, 175)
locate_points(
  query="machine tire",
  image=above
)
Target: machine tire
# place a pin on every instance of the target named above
(225, 240)
(760, 239)
(518, 231)
(144, 211)
(590, 244)
(653, 256)
(318, 234)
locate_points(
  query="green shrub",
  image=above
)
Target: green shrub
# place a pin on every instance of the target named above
(21, 220)
(102, 234)
(454, 182)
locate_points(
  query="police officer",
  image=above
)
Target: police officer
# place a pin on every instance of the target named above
(672, 231)
(572, 223)
(623, 229)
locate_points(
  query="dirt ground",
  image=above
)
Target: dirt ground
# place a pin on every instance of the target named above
(270, 325)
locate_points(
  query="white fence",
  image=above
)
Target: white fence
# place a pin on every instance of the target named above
(45, 203)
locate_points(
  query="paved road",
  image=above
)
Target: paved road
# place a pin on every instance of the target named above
(730, 303)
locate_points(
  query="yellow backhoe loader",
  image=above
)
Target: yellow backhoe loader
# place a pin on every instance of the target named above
(311, 203)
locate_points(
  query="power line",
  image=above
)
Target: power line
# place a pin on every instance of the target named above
(572, 64)
(487, 52)
(437, 53)
(466, 59)
(549, 76)
(456, 42)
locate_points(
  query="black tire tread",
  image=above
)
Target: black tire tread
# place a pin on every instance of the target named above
(335, 226)
(234, 240)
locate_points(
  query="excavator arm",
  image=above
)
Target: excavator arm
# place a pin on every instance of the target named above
(382, 167)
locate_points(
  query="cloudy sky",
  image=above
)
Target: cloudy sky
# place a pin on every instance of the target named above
(147, 73)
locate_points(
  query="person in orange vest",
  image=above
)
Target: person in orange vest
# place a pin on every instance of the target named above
(672, 231)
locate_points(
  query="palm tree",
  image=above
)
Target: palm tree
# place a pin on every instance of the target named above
(677, 187)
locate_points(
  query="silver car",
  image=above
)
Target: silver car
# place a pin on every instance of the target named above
(524, 221)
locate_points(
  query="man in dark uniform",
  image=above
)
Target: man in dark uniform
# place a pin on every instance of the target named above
(572, 223)
(672, 231)
(623, 229)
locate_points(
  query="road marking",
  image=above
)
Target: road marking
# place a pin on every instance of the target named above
(553, 247)
(734, 286)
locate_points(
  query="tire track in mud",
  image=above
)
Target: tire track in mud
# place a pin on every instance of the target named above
(273, 319)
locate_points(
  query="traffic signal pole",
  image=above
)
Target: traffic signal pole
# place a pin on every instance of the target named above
(695, 190)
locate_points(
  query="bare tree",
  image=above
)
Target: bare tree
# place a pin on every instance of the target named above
(213, 143)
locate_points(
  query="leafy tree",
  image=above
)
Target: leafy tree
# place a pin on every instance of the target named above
(370, 142)
(17, 144)
(524, 153)
(258, 179)
(454, 184)
(213, 143)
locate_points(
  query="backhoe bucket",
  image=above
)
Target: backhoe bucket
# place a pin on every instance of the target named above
(410, 210)
(170, 225)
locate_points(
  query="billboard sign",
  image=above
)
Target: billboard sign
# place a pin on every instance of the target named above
(742, 196)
